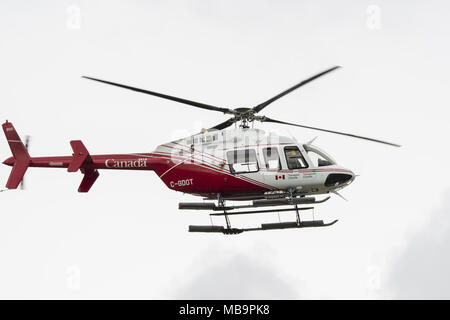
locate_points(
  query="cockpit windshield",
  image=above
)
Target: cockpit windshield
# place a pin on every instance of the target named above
(318, 157)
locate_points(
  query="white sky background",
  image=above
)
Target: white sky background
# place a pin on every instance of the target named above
(126, 237)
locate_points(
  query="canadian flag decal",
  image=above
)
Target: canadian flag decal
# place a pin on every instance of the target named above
(283, 177)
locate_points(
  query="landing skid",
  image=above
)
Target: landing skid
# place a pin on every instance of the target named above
(255, 204)
(263, 203)
(264, 226)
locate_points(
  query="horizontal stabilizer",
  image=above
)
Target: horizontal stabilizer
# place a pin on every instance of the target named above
(80, 159)
(89, 178)
(80, 155)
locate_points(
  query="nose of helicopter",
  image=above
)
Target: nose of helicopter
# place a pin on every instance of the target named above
(339, 179)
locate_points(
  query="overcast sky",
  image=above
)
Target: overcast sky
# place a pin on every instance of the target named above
(126, 237)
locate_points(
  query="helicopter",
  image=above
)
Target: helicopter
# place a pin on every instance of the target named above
(244, 164)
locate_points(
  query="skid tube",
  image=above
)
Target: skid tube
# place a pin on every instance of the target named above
(255, 204)
(264, 226)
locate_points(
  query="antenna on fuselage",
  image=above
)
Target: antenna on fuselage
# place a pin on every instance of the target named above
(311, 141)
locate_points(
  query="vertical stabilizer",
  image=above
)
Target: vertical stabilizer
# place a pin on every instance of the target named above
(20, 154)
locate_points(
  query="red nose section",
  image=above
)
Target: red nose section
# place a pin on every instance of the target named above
(9, 161)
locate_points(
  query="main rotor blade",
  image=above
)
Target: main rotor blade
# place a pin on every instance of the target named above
(265, 119)
(165, 96)
(266, 103)
(224, 124)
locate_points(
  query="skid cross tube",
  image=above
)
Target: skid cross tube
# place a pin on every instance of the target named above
(297, 215)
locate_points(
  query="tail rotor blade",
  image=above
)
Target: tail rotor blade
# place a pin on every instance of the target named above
(27, 145)
(27, 141)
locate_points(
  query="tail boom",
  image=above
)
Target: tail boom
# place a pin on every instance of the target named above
(107, 161)
(88, 168)
(79, 160)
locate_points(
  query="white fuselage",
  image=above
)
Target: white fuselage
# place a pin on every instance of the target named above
(268, 161)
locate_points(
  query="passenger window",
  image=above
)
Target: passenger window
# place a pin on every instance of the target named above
(271, 158)
(294, 158)
(242, 161)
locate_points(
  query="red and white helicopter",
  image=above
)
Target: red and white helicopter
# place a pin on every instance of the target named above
(217, 164)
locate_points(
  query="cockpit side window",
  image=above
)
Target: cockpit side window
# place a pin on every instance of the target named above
(242, 161)
(294, 158)
(271, 158)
